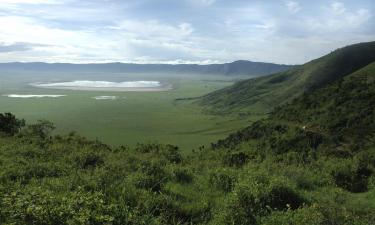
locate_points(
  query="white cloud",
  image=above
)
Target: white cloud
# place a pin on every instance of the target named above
(154, 29)
(338, 19)
(293, 6)
(338, 8)
(188, 32)
(28, 2)
(203, 2)
(11, 5)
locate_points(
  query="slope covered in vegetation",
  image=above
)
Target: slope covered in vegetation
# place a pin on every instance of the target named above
(312, 162)
(71, 180)
(261, 95)
(329, 131)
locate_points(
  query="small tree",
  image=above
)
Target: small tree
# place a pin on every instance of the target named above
(9, 124)
(42, 128)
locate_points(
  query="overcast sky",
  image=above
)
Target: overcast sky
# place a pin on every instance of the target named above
(180, 31)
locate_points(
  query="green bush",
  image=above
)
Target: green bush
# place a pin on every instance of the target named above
(151, 176)
(222, 180)
(9, 124)
(39, 206)
(89, 159)
(257, 196)
(302, 216)
(235, 159)
(182, 175)
(353, 178)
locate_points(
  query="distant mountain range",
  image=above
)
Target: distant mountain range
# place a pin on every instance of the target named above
(262, 94)
(241, 67)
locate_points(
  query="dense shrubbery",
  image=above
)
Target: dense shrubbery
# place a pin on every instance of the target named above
(71, 180)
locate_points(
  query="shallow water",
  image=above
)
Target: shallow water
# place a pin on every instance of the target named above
(33, 96)
(107, 85)
(105, 97)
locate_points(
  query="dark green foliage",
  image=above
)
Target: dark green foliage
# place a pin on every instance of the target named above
(236, 159)
(183, 175)
(340, 117)
(42, 129)
(40, 207)
(258, 196)
(90, 159)
(71, 180)
(222, 180)
(152, 176)
(307, 215)
(170, 152)
(9, 124)
(352, 177)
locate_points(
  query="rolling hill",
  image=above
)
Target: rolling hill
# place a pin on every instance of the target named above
(262, 94)
(342, 112)
(231, 69)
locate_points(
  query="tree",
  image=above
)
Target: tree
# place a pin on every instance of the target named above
(42, 128)
(9, 124)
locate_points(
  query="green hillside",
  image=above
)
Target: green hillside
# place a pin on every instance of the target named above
(311, 162)
(342, 112)
(261, 95)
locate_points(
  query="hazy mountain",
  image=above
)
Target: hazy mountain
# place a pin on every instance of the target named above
(234, 68)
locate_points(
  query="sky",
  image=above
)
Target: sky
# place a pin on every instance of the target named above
(180, 31)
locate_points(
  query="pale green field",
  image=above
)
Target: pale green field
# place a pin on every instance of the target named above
(134, 117)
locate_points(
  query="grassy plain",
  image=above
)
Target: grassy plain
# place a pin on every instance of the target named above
(134, 117)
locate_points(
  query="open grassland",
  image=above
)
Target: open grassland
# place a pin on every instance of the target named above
(133, 117)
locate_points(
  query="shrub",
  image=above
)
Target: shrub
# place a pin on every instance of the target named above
(172, 154)
(42, 129)
(151, 176)
(236, 159)
(89, 159)
(302, 216)
(40, 206)
(9, 124)
(183, 175)
(353, 178)
(222, 180)
(258, 196)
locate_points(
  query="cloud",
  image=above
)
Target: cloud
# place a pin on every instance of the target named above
(338, 8)
(205, 2)
(28, 2)
(153, 29)
(187, 31)
(18, 46)
(293, 7)
(338, 19)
